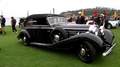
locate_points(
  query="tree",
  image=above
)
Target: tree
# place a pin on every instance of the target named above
(90, 11)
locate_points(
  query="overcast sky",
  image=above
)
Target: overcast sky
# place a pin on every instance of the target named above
(19, 8)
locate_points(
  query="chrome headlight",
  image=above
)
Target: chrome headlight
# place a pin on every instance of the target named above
(102, 31)
(93, 28)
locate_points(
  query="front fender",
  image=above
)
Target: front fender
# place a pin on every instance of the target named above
(75, 40)
(23, 32)
(108, 36)
(97, 41)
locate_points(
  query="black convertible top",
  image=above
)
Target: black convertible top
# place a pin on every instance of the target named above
(42, 15)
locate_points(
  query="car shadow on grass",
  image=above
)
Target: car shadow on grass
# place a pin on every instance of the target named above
(66, 53)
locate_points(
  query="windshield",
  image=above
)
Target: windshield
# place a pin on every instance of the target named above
(57, 20)
(111, 19)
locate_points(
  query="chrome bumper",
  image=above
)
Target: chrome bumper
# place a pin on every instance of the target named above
(108, 51)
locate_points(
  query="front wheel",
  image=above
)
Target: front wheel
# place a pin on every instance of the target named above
(109, 26)
(25, 40)
(86, 52)
(58, 34)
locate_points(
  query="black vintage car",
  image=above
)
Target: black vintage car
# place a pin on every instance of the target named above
(53, 31)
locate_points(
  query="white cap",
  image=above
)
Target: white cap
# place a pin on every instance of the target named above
(102, 14)
(79, 12)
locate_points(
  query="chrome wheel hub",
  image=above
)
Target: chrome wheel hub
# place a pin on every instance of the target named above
(109, 26)
(24, 39)
(56, 38)
(82, 52)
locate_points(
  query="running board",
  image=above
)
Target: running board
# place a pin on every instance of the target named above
(109, 50)
(40, 44)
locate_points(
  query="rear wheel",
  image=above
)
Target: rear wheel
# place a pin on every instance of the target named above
(25, 40)
(86, 52)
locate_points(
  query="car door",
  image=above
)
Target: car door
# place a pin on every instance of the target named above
(43, 32)
(39, 30)
(32, 28)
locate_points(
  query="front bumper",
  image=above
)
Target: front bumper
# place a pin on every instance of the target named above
(109, 49)
(114, 25)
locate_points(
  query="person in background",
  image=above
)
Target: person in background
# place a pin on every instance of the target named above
(106, 19)
(68, 17)
(102, 18)
(80, 19)
(92, 18)
(13, 22)
(97, 20)
(72, 18)
(118, 20)
(3, 20)
(21, 22)
(0, 26)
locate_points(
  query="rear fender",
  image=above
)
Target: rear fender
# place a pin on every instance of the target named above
(23, 32)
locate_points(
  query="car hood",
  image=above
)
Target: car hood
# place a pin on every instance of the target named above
(74, 26)
(113, 22)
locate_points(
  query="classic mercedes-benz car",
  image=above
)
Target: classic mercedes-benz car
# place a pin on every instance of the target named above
(53, 31)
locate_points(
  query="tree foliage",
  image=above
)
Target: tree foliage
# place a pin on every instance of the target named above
(90, 11)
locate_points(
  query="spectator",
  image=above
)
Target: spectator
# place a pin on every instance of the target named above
(72, 19)
(80, 19)
(92, 18)
(97, 20)
(21, 22)
(13, 22)
(0, 26)
(106, 19)
(68, 17)
(3, 20)
(102, 19)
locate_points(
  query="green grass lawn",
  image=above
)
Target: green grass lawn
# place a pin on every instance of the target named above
(14, 54)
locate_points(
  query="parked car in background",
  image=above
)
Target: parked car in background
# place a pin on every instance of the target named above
(53, 31)
(111, 23)
(90, 22)
(118, 22)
